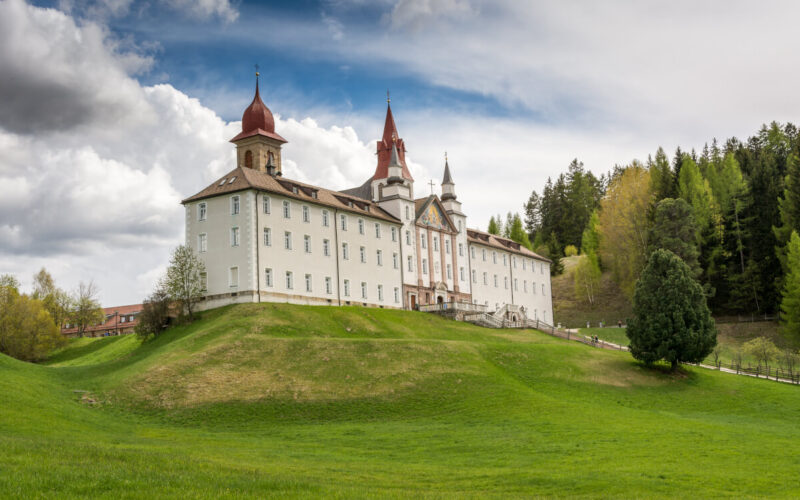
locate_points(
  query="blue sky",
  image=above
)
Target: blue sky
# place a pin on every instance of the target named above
(115, 110)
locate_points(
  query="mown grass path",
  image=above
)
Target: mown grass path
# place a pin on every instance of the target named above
(287, 401)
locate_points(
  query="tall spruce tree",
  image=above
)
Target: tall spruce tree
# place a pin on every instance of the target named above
(674, 230)
(790, 301)
(671, 320)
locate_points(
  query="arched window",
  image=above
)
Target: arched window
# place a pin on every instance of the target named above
(248, 159)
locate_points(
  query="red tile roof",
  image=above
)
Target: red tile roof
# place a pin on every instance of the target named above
(241, 178)
(113, 319)
(492, 240)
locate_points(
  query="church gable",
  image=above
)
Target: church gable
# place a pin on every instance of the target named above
(432, 214)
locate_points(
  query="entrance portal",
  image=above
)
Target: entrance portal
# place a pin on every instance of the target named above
(439, 299)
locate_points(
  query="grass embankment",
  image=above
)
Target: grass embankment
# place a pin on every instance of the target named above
(278, 400)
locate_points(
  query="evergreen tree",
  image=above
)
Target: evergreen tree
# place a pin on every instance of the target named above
(789, 207)
(663, 183)
(555, 255)
(790, 303)
(674, 230)
(493, 228)
(517, 232)
(671, 320)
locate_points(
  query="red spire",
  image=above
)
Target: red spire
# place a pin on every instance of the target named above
(258, 116)
(257, 120)
(384, 148)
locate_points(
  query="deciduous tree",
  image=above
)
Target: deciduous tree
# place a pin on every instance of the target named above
(183, 281)
(86, 309)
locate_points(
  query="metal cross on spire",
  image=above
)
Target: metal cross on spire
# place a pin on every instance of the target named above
(256, 66)
(432, 184)
(388, 99)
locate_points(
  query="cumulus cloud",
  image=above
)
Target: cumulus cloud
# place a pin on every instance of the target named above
(205, 9)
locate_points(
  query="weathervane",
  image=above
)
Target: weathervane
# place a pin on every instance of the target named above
(257, 73)
(388, 99)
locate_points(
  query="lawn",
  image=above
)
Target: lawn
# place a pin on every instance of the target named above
(291, 401)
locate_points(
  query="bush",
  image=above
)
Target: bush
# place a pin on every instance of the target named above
(671, 318)
(154, 318)
(570, 251)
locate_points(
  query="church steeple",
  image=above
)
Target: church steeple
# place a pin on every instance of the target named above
(448, 186)
(258, 144)
(389, 140)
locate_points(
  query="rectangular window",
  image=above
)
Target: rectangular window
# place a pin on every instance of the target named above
(435, 243)
(306, 214)
(504, 260)
(380, 293)
(202, 243)
(343, 222)
(516, 288)
(395, 260)
(266, 203)
(326, 248)
(289, 284)
(472, 251)
(407, 214)
(234, 205)
(524, 283)
(325, 218)
(308, 282)
(449, 272)
(345, 255)
(287, 210)
(267, 237)
(543, 289)
(307, 243)
(328, 286)
(460, 249)
(410, 264)
(483, 252)
(363, 290)
(424, 241)
(505, 282)
(377, 230)
(379, 257)
(523, 264)
(542, 267)
(424, 266)
(268, 277)
(396, 295)
(495, 281)
(346, 288)
(394, 234)
(233, 277)
(287, 240)
(234, 236)
(203, 282)
(494, 257)
(201, 211)
(408, 237)
(533, 287)
(447, 246)
(363, 253)
(485, 281)
(461, 273)
(474, 276)
(360, 226)
(514, 261)
(459, 226)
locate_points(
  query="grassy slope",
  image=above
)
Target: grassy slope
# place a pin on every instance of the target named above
(278, 400)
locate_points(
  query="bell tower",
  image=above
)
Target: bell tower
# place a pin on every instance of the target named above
(258, 146)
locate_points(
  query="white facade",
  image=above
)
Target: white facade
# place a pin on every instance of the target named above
(266, 238)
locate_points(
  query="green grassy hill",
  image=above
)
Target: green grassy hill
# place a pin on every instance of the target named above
(291, 401)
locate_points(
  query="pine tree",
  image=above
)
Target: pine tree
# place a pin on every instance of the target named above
(790, 303)
(671, 320)
(674, 230)
(493, 229)
(555, 255)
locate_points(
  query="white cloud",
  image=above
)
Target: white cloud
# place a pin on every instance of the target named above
(205, 9)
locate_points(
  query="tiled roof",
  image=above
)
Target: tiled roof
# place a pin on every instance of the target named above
(112, 321)
(492, 240)
(240, 179)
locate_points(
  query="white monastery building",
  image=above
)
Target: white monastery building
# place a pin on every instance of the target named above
(264, 237)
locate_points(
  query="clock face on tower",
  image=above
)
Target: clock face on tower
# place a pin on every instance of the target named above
(434, 217)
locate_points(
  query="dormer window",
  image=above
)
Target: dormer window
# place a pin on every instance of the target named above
(294, 189)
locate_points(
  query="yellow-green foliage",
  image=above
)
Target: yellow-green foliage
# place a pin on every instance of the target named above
(27, 330)
(570, 251)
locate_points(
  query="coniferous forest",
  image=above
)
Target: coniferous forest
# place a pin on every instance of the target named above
(728, 211)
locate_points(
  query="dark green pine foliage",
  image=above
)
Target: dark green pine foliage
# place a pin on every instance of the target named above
(789, 207)
(554, 253)
(663, 181)
(671, 320)
(674, 230)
